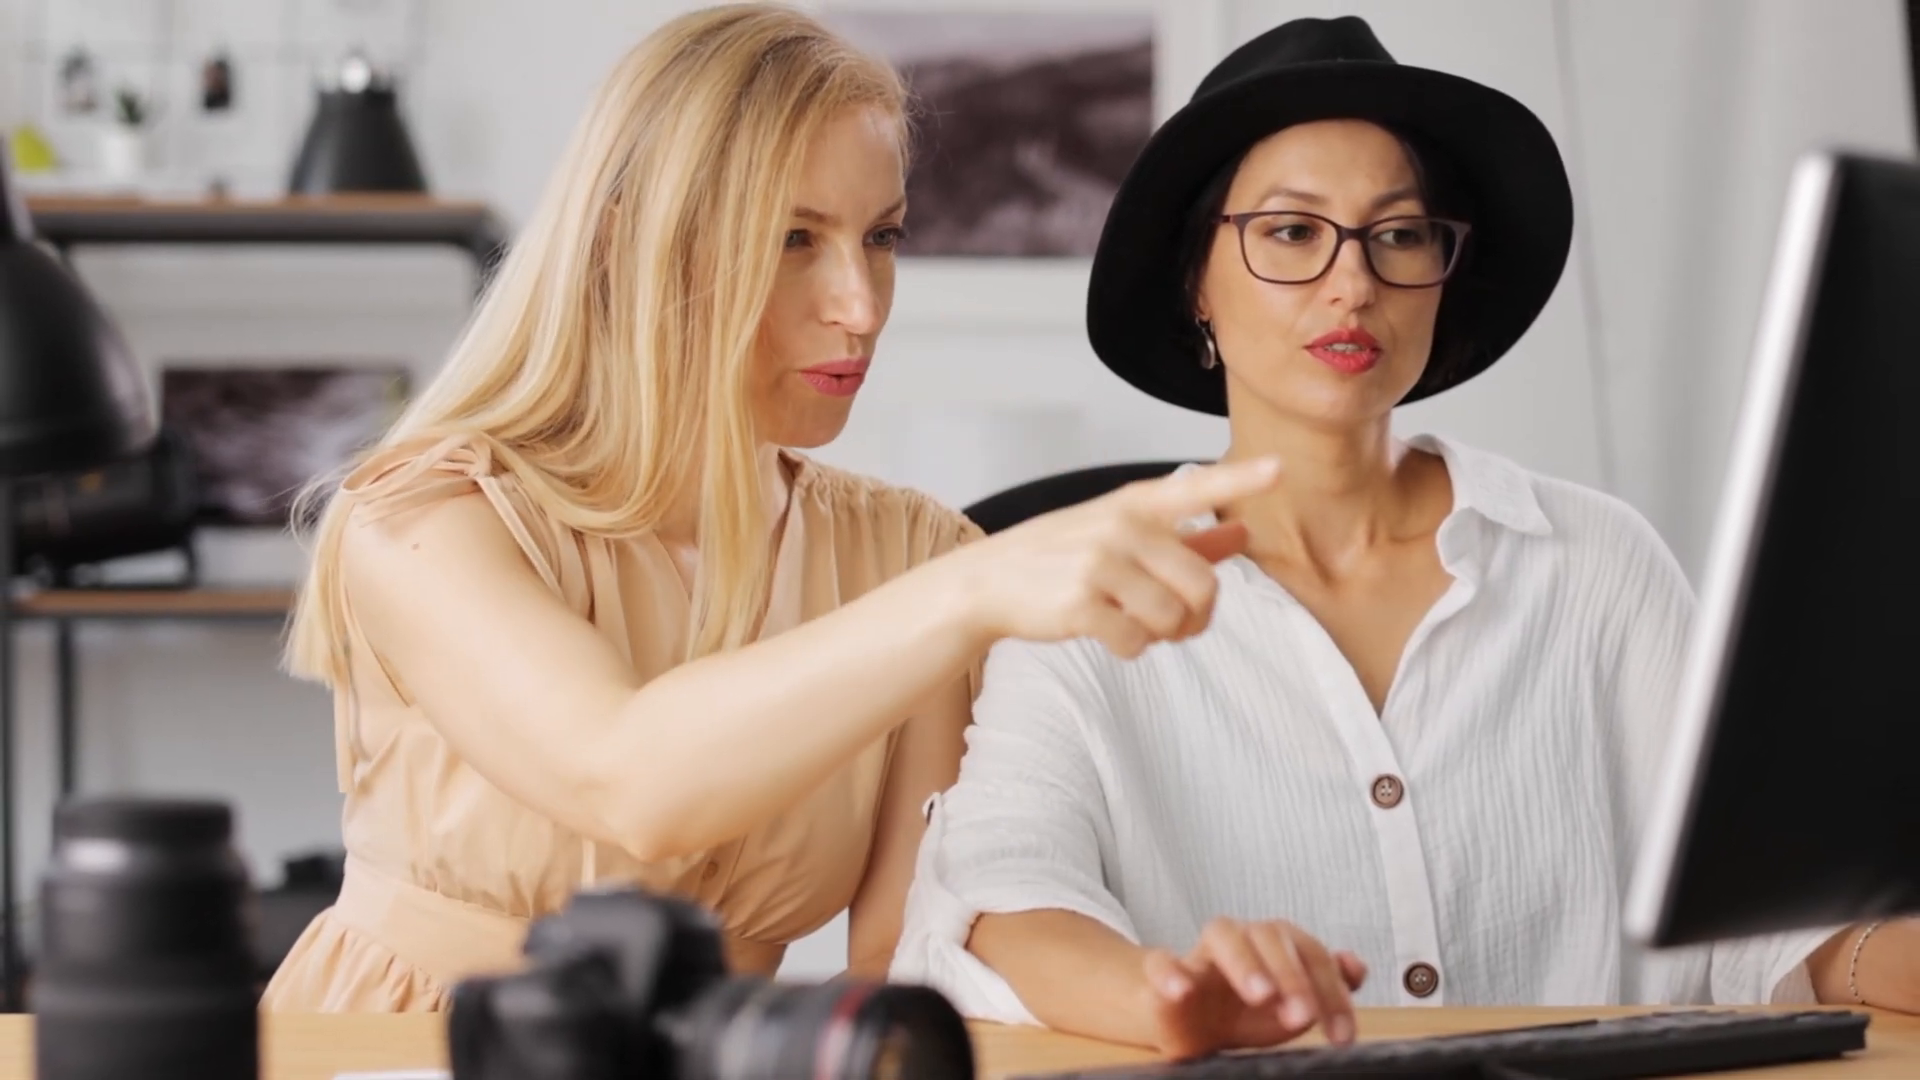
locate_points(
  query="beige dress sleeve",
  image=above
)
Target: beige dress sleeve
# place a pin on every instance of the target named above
(446, 869)
(408, 477)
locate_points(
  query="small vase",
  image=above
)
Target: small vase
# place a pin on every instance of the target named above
(123, 153)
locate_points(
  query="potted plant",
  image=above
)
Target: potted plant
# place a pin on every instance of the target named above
(123, 143)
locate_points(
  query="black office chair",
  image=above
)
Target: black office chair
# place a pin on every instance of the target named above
(1008, 508)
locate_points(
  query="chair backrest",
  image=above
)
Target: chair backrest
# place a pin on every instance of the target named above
(1008, 508)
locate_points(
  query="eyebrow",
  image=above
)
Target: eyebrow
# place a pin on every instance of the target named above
(1387, 199)
(807, 213)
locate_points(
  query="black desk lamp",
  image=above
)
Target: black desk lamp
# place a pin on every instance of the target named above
(71, 398)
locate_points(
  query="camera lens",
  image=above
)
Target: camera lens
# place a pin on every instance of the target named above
(754, 1029)
(146, 966)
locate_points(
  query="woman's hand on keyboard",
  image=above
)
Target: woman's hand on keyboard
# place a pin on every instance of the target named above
(1248, 985)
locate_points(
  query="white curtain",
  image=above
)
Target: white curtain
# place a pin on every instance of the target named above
(1690, 113)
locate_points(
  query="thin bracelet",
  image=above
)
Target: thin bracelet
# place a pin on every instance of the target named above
(1853, 963)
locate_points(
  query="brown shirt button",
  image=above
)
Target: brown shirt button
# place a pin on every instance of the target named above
(1421, 980)
(708, 871)
(1388, 791)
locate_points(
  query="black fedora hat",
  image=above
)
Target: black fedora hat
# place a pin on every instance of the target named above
(1504, 160)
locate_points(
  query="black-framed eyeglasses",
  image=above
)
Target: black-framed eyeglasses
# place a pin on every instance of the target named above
(1293, 247)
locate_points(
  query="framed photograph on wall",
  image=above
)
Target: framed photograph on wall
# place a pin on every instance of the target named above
(1025, 123)
(975, 283)
(260, 433)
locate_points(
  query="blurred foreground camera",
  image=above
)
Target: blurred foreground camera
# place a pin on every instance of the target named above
(146, 959)
(626, 984)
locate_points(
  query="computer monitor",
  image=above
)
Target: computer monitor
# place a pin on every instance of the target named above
(1791, 797)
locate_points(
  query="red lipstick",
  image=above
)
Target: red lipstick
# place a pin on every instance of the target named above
(1349, 349)
(840, 378)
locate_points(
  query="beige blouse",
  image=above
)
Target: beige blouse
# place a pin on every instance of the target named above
(445, 871)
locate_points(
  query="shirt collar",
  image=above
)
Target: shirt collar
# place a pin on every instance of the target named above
(1489, 485)
(1484, 483)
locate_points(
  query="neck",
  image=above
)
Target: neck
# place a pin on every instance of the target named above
(681, 527)
(1343, 492)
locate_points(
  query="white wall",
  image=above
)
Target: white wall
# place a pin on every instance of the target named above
(1679, 118)
(1690, 115)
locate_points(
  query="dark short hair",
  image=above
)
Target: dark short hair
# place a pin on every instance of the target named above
(1441, 192)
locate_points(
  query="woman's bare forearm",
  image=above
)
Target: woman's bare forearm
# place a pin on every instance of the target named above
(549, 709)
(1072, 973)
(714, 747)
(1884, 969)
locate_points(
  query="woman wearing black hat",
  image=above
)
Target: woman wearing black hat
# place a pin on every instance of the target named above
(1424, 720)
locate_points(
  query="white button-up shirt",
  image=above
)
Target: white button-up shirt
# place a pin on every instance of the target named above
(1472, 842)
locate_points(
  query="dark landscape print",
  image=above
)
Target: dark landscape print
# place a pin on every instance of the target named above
(258, 434)
(1026, 123)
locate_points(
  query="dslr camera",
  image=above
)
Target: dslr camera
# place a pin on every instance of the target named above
(624, 984)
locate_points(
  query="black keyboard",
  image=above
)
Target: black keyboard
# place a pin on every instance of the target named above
(1653, 1044)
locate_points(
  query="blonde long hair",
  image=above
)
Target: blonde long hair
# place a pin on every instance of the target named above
(607, 364)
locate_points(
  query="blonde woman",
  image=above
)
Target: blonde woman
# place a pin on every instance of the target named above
(587, 620)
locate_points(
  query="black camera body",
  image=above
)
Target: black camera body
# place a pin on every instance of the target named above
(625, 984)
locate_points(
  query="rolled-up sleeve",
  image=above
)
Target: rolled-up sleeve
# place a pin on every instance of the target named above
(1023, 829)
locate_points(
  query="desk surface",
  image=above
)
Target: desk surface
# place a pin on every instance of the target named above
(317, 1047)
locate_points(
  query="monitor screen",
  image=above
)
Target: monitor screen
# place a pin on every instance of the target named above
(1792, 796)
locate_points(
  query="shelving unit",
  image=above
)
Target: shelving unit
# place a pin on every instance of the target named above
(68, 223)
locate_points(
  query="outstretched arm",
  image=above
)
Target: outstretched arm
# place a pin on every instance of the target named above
(539, 702)
(549, 710)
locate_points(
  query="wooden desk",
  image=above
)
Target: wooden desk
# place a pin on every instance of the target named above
(317, 1047)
